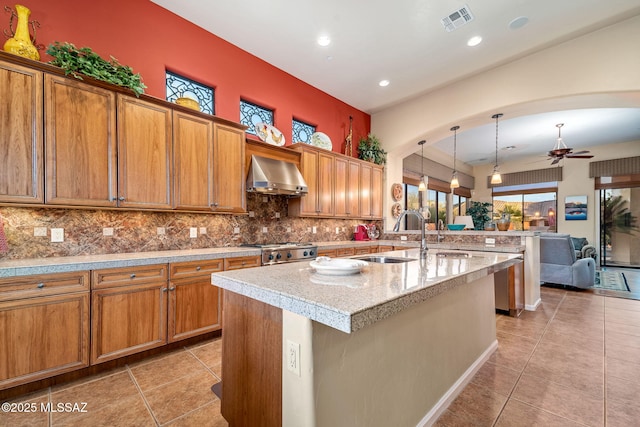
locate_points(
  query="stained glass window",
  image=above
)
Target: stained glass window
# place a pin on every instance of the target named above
(251, 114)
(178, 86)
(302, 131)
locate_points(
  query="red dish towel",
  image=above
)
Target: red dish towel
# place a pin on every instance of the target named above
(4, 248)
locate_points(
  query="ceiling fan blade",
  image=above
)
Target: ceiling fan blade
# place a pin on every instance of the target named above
(556, 160)
(578, 152)
(572, 156)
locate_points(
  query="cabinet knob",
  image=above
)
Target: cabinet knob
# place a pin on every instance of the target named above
(133, 275)
(198, 268)
(214, 205)
(164, 289)
(173, 288)
(40, 285)
(121, 198)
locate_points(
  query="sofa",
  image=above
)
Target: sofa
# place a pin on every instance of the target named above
(560, 265)
(583, 248)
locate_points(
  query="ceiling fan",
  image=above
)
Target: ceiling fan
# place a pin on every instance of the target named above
(560, 150)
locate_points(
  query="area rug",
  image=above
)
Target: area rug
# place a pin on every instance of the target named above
(611, 280)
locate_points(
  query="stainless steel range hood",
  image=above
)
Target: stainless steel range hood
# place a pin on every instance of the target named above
(271, 176)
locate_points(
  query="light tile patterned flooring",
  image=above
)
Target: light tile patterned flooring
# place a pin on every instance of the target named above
(575, 361)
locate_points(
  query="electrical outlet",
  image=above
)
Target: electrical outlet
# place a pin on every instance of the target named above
(490, 241)
(288, 229)
(107, 231)
(314, 230)
(337, 230)
(57, 235)
(252, 214)
(193, 232)
(277, 214)
(160, 231)
(40, 231)
(265, 230)
(203, 230)
(265, 199)
(403, 237)
(293, 357)
(236, 230)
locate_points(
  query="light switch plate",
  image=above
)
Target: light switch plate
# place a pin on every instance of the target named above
(193, 232)
(160, 231)
(40, 231)
(236, 230)
(57, 235)
(107, 231)
(203, 230)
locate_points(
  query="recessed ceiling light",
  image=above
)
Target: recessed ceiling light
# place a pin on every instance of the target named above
(384, 83)
(509, 148)
(474, 41)
(519, 22)
(324, 40)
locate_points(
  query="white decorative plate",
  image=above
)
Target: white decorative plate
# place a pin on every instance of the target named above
(319, 139)
(269, 134)
(337, 266)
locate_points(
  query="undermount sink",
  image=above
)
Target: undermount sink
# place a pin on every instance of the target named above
(452, 255)
(384, 259)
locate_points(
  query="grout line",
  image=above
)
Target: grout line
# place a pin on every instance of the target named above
(144, 399)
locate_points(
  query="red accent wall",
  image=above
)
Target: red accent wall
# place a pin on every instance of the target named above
(151, 39)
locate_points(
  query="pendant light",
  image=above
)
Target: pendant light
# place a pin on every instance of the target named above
(496, 178)
(423, 186)
(454, 177)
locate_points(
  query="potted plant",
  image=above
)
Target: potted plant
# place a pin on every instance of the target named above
(369, 149)
(479, 212)
(85, 61)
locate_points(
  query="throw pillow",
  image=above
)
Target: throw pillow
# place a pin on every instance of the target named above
(579, 242)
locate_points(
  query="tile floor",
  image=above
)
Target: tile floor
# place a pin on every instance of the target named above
(575, 361)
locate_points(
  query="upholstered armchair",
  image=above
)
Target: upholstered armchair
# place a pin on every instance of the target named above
(559, 264)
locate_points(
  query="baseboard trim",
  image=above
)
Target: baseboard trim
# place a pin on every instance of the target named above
(533, 307)
(453, 392)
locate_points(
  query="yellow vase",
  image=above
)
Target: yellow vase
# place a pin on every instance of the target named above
(20, 43)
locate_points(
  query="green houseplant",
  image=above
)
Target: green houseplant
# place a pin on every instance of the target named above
(479, 212)
(369, 149)
(85, 61)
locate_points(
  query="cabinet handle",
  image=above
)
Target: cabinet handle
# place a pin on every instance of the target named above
(133, 275)
(214, 205)
(198, 268)
(164, 289)
(173, 288)
(40, 285)
(121, 198)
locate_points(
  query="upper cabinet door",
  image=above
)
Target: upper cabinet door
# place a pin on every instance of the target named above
(21, 177)
(228, 165)
(325, 184)
(80, 153)
(193, 162)
(144, 154)
(376, 192)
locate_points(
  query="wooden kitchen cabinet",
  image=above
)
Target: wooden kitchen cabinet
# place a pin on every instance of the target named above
(317, 168)
(80, 144)
(44, 326)
(21, 134)
(193, 182)
(228, 169)
(370, 191)
(236, 263)
(332, 253)
(129, 311)
(347, 187)
(145, 156)
(194, 303)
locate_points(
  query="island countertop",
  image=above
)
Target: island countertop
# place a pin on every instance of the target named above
(349, 303)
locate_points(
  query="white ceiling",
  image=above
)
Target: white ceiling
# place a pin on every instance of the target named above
(404, 41)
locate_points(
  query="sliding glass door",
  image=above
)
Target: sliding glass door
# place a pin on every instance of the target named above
(619, 227)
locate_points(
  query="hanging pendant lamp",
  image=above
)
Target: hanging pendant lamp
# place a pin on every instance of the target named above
(495, 177)
(423, 184)
(454, 177)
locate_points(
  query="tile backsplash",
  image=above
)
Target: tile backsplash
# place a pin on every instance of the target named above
(138, 231)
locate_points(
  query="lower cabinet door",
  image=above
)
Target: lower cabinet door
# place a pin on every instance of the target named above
(127, 320)
(42, 337)
(194, 307)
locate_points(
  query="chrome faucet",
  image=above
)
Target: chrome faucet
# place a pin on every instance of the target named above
(423, 241)
(440, 226)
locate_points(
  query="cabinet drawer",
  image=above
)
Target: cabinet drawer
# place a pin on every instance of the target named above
(364, 250)
(241, 262)
(384, 248)
(195, 268)
(345, 251)
(328, 252)
(112, 277)
(43, 284)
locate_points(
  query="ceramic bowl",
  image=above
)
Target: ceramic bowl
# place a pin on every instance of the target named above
(457, 227)
(189, 103)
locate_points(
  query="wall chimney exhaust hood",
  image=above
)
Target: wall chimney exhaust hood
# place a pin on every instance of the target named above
(271, 176)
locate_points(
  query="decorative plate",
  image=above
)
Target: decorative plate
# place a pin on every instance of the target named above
(269, 134)
(319, 139)
(337, 266)
(397, 192)
(396, 210)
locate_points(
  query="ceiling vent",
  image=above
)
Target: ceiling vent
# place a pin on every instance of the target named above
(457, 19)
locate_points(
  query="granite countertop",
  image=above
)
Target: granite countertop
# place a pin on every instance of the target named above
(349, 303)
(23, 267)
(414, 244)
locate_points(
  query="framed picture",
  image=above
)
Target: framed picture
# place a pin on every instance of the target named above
(575, 208)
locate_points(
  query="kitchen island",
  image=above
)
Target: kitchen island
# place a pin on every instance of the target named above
(392, 345)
